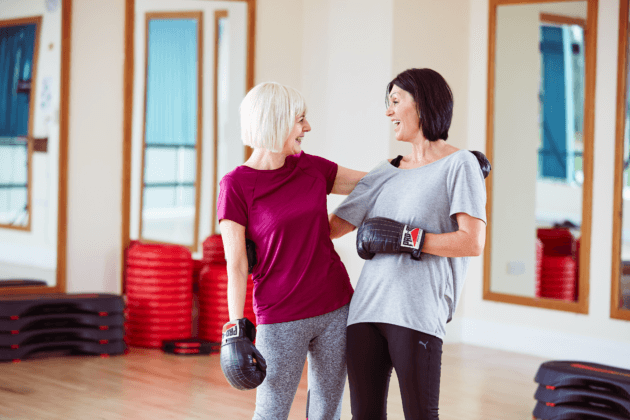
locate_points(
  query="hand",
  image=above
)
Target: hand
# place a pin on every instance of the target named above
(381, 235)
(483, 162)
(242, 364)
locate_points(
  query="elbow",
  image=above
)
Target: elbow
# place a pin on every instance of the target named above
(477, 250)
(478, 247)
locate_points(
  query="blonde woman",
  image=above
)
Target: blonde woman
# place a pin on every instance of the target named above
(302, 291)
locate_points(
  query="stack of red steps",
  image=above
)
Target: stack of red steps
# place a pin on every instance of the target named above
(558, 275)
(159, 294)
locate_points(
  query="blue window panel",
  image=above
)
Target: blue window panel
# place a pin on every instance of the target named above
(16, 61)
(554, 114)
(169, 191)
(172, 82)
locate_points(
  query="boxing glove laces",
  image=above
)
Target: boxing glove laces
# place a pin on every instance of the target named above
(242, 364)
(380, 235)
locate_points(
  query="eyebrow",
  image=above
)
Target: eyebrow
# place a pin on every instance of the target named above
(392, 93)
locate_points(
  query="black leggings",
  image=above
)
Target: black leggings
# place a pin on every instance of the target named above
(372, 350)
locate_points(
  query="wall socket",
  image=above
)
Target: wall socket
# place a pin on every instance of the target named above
(516, 268)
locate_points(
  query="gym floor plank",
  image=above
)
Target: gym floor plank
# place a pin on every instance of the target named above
(477, 383)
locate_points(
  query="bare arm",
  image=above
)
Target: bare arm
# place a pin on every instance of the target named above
(468, 241)
(338, 226)
(233, 235)
(346, 180)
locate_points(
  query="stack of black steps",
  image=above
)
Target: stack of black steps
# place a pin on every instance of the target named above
(90, 324)
(582, 390)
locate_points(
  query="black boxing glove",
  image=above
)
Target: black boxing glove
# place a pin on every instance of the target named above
(242, 364)
(252, 260)
(484, 163)
(380, 235)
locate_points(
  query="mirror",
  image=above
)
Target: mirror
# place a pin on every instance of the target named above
(620, 299)
(192, 63)
(539, 140)
(34, 40)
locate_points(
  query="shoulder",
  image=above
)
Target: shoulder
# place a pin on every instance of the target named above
(238, 177)
(461, 160)
(304, 159)
(380, 173)
(464, 167)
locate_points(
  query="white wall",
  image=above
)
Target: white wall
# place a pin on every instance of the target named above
(434, 34)
(548, 333)
(95, 146)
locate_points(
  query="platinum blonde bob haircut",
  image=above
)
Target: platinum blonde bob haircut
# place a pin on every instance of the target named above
(268, 113)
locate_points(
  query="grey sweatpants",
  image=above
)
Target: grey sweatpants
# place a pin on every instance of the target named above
(285, 346)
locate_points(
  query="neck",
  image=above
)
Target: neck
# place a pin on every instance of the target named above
(423, 150)
(263, 159)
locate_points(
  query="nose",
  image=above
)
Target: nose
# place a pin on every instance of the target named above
(389, 112)
(307, 127)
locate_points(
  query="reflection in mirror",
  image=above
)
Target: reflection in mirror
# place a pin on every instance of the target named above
(620, 302)
(31, 144)
(19, 39)
(229, 90)
(190, 66)
(170, 156)
(537, 143)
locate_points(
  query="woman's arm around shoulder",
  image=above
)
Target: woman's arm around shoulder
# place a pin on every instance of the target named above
(346, 180)
(338, 226)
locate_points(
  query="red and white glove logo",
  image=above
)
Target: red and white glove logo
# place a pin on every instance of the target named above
(229, 331)
(411, 238)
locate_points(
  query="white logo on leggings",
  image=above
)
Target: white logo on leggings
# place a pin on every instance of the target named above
(424, 344)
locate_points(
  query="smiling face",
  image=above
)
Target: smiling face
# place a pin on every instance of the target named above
(293, 143)
(403, 113)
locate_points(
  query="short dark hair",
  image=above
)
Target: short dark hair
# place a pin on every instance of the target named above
(434, 100)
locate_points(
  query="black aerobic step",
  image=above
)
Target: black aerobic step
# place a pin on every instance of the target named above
(69, 347)
(61, 334)
(584, 374)
(41, 322)
(21, 282)
(570, 395)
(574, 412)
(56, 303)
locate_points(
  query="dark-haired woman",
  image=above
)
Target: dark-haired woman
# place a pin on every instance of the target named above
(401, 304)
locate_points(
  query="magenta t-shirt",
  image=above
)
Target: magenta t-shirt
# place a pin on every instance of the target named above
(299, 275)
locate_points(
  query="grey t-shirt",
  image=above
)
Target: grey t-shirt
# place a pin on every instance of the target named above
(393, 288)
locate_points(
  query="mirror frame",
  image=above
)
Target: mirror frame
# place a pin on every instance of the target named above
(581, 306)
(62, 200)
(130, 12)
(622, 68)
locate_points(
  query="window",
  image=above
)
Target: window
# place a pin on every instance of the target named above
(17, 68)
(172, 130)
(561, 102)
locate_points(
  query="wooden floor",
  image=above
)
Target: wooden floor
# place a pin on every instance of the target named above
(477, 383)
